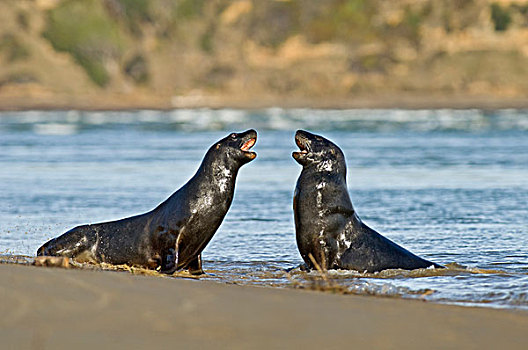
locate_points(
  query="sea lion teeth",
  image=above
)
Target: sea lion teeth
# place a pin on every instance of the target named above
(247, 145)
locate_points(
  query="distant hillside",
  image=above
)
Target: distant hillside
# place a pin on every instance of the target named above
(164, 53)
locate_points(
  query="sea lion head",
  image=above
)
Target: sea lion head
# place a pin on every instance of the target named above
(318, 153)
(235, 148)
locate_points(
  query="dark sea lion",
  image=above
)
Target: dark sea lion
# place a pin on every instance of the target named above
(326, 224)
(173, 235)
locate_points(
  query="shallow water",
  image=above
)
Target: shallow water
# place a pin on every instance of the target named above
(451, 186)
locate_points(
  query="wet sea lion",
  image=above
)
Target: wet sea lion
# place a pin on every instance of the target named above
(326, 224)
(173, 235)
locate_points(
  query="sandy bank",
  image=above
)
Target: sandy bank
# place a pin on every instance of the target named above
(101, 102)
(48, 308)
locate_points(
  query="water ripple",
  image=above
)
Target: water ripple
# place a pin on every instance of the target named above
(451, 186)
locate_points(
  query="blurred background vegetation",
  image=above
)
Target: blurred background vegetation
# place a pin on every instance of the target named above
(191, 52)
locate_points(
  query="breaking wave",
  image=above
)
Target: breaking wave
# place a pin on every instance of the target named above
(192, 120)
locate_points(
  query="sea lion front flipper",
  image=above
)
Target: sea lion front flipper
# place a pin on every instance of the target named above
(302, 267)
(169, 263)
(195, 266)
(167, 243)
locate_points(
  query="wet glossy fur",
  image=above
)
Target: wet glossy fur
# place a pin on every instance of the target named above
(173, 235)
(327, 227)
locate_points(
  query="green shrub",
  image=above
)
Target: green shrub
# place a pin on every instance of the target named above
(84, 30)
(500, 16)
(18, 78)
(136, 9)
(13, 48)
(137, 69)
(272, 23)
(347, 20)
(131, 12)
(190, 8)
(22, 19)
(207, 40)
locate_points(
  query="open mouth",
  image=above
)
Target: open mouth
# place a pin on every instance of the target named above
(303, 147)
(248, 144)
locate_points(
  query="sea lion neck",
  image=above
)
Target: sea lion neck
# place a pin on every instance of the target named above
(216, 175)
(326, 171)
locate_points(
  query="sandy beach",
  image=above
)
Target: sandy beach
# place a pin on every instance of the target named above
(52, 308)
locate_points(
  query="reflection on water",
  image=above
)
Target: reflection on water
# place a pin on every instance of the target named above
(451, 186)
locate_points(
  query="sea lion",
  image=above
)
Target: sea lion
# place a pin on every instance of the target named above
(173, 235)
(327, 227)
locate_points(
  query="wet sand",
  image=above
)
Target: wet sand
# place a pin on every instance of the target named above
(48, 308)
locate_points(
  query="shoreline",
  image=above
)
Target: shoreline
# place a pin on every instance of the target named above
(62, 308)
(116, 102)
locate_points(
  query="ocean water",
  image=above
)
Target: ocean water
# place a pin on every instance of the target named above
(450, 186)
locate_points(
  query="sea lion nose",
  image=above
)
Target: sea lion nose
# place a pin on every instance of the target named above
(303, 133)
(252, 133)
